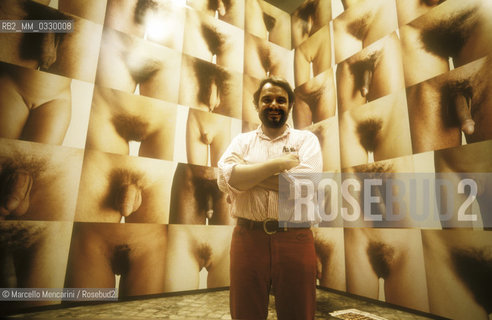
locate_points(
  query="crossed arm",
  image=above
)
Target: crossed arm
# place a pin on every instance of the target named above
(264, 174)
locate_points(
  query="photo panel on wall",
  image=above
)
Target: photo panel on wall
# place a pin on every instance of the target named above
(214, 41)
(128, 256)
(453, 108)
(382, 195)
(308, 18)
(449, 36)
(38, 181)
(375, 131)
(387, 265)
(159, 21)
(373, 72)
(458, 267)
(71, 54)
(197, 257)
(41, 107)
(329, 245)
(120, 188)
(34, 254)
(196, 198)
(268, 22)
(129, 124)
(264, 58)
(464, 198)
(210, 87)
(315, 100)
(230, 11)
(93, 10)
(134, 65)
(313, 56)
(361, 24)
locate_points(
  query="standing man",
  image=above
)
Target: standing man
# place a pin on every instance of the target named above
(265, 256)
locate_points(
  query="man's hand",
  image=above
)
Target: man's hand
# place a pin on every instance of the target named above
(246, 176)
(287, 161)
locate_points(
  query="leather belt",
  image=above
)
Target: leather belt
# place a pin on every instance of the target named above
(271, 226)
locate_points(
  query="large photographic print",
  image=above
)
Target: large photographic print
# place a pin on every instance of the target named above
(111, 134)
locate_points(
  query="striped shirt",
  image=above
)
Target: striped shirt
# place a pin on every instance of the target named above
(255, 147)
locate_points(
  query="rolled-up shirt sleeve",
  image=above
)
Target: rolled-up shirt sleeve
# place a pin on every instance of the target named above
(231, 157)
(310, 156)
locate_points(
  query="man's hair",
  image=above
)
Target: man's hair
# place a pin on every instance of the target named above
(276, 81)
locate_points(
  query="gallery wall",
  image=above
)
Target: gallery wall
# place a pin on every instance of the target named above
(110, 138)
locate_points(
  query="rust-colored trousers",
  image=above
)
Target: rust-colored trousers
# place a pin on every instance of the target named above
(284, 262)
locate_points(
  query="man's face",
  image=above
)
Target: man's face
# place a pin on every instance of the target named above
(273, 106)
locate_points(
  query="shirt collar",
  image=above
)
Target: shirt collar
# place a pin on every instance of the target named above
(262, 135)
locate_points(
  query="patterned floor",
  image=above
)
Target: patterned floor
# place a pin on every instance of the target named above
(208, 305)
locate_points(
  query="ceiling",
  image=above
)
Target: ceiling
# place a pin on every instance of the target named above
(286, 5)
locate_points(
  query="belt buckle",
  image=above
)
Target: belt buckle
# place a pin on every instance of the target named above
(265, 226)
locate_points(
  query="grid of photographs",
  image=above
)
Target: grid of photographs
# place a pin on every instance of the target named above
(110, 138)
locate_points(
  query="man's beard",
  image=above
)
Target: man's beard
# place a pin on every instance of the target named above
(275, 122)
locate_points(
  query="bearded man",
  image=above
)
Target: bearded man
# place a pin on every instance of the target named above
(267, 255)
